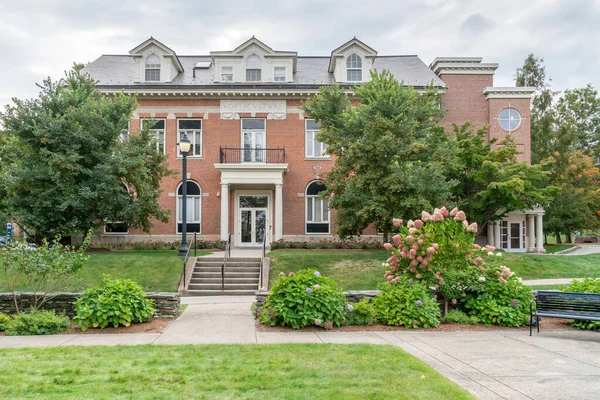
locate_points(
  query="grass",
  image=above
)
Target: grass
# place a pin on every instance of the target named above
(546, 287)
(361, 270)
(291, 371)
(156, 271)
(557, 247)
(356, 270)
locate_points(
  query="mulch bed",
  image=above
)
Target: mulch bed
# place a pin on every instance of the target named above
(156, 325)
(553, 324)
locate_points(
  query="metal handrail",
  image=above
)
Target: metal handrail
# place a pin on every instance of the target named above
(262, 262)
(185, 260)
(238, 155)
(224, 265)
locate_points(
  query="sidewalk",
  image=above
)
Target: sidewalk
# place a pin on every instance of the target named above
(502, 364)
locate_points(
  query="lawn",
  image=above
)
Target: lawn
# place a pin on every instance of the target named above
(557, 247)
(290, 371)
(156, 271)
(351, 269)
(362, 270)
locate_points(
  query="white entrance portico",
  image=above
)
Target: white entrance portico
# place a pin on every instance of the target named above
(519, 232)
(257, 189)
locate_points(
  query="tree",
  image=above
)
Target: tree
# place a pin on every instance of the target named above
(578, 112)
(65, 165)
(390, 152)
(492, 182)
(543, 136)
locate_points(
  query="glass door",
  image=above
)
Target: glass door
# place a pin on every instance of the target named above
(515, 235)
(253, 220)
(253, 140)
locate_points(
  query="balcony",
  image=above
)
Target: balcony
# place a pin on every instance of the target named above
(251, 155)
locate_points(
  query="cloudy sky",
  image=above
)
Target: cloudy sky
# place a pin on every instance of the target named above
(41, 38)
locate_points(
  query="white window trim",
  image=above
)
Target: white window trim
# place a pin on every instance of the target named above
(178, 153)
(306, 221)
(160, 72)
(114, 233)
(223, 67)
(260, 69)
(153, 132)
(242, 141)
(177, 221)
(355, 69)
(275, 74)
(306, 131)
(520, 119)
(236, 237)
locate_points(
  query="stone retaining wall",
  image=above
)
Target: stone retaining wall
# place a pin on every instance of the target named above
(351, 295)
(166, 304)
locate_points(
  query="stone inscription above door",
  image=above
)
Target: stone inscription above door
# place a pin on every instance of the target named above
(231, 109)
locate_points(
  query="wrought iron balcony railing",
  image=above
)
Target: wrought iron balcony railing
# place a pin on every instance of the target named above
(252, 155)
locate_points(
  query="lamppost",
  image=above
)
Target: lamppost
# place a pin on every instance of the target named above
(184, 149)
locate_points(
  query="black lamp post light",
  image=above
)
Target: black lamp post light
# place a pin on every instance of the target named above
(184, 149)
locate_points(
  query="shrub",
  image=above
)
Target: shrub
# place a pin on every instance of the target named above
(38, 322)
(327, 244)
(304, 298)
(4, 321)
(159, 245)
(587, 285)
(407, 304)
(114, 302)
(459, 317)
(499, 297)
(363, 313)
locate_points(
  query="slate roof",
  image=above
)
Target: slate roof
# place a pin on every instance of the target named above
(121, 71)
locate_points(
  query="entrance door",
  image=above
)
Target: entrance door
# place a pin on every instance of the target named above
(253, 140)
(512, 236)
(253, 220)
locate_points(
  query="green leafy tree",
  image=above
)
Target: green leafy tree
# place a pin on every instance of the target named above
(543, 135)
(390, 152)
(65, 162)
(492, 182)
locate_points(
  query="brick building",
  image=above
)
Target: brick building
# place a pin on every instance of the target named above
(254, 166)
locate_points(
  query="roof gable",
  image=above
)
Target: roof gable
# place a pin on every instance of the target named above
(167, 52)
(339, 52)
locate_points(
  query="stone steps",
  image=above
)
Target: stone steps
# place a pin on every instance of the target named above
(241, 277)
(221, 292)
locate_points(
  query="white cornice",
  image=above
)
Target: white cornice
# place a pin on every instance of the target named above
(509, 92)
(462, 66)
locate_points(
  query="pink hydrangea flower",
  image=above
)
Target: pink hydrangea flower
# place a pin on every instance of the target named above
(418, 276)
(419, 224)
(489, 248)
(412, 231)
(438, 217)
(466, 224)
(425, 216)
(318, 322)
(454, 212)
(388, 246)
(317, 287)
(472, 228)
(291, 274)
(476, 246)
(460, 216)
(397, 222)
(282, 273)
(444, 211)
(410, 223)
(410, 239)
(430, 250)
(397, 238)
(328, 325)
(454, 301)
(435, 246)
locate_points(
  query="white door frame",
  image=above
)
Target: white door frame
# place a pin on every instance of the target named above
(521, 223)
(237, 214)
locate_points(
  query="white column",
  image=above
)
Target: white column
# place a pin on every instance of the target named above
(531, 231)
(497, 234)
(224, 211)
(490, 233)
(539, 226)
(278, 211)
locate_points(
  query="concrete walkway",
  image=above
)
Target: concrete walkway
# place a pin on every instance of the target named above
(585, 249)
(538, 282)
(492, 365)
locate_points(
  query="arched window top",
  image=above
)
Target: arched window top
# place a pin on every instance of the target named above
(152, 61)
(354, 61)
(253, 61)
(314, 188)
(193, 189)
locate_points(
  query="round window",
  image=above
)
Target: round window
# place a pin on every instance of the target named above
(509, 119)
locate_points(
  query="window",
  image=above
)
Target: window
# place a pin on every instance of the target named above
(314, 148)
(157, 130)
(193, 207)
(253, 68)
(226, 74)
(354, 68)
(317, 209)
(509, 119)
(152, 68)
(193, 129)
(253, 140)
(279, 74)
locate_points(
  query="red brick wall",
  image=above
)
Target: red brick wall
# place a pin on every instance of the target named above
(522, 134)
(465, 100)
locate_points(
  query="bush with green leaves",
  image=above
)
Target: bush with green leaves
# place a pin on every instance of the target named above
(115, 302)
(4, 321)
(38, 322)
(586, 285)
(362, 313)
(459, 317)
(498, 297)
(407, 304)
(305, 298)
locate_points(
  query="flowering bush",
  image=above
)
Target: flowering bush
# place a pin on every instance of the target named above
(362, 313)
(158, 245)
(438, 251)
(407, 304)
(305, 298)
(499, 297)
(587, 285)
(327, 244)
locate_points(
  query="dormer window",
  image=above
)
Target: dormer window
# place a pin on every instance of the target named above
(279, 74)
(354, 68)
(226, 74)
(153, 68)
(253, 68)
